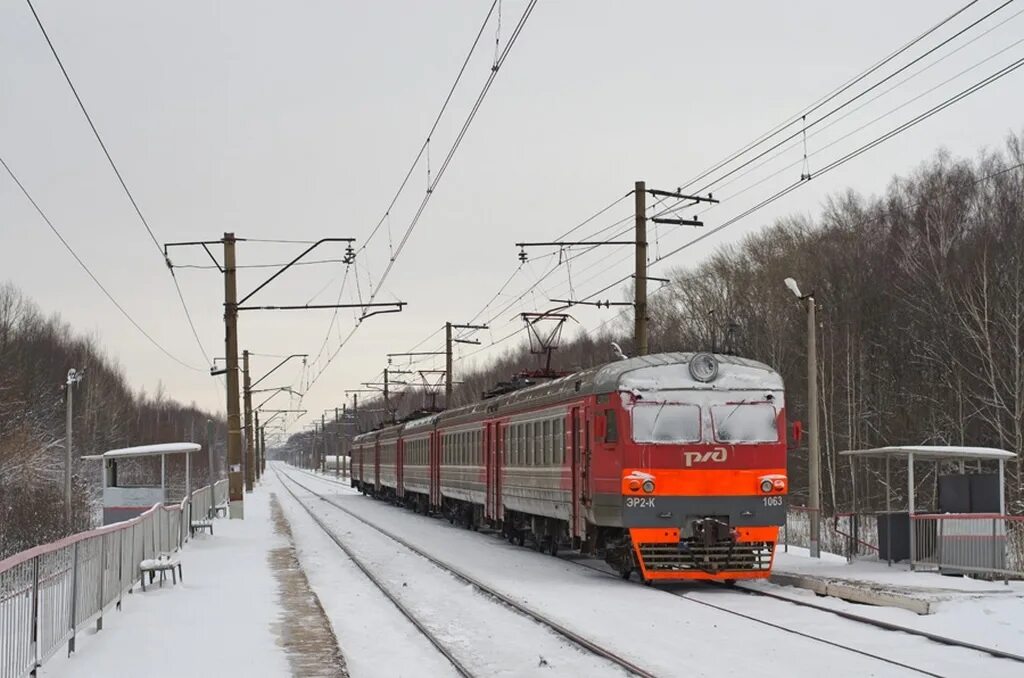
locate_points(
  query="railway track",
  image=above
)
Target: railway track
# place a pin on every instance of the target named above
(553, 626)
(692, 598)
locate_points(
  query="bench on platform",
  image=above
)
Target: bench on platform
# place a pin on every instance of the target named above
(163, 563)
(199, 526)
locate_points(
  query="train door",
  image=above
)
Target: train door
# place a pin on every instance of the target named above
(435, 468)
(579, 472)
(492, 463)
(376, 464)
(400, 467)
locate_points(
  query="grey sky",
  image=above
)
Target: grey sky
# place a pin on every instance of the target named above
(298, 120)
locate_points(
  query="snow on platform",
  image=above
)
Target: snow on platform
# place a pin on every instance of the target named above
(223, 620)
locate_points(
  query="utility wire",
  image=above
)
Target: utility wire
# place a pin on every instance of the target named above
(90, 273)
(827, 98)
(426, 143)
(120, 178)
(444, 166)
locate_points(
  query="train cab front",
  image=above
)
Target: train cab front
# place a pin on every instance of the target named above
(703, 476)
(676, 533)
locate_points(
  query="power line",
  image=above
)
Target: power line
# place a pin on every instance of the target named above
(426, 143)
(1006, 70)
(120, 178)
(90, 273)
(444, 165)
(838, 108)
(828, 97)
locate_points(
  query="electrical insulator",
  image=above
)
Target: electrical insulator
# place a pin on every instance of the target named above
(522, 254)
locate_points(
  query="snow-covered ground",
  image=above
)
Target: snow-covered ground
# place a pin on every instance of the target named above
(666, 630)
(990, 614)
(218, 622)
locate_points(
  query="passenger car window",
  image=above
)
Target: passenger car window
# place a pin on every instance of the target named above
(666, 423)
(745, 423)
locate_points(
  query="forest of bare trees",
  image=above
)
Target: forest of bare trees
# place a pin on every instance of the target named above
(920, 296)
(36, 352)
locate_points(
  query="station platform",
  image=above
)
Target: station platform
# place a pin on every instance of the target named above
(233, 615)
(880, 584)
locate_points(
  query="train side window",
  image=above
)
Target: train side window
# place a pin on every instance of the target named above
(611, 426)
(549, 445)
(514, 447)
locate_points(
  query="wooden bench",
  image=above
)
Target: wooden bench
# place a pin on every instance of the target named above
(163, 563)
(199, 526)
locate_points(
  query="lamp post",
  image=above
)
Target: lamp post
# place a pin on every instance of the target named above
(813, 452)
(74, 376)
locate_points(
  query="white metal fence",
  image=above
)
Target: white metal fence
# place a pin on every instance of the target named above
(970, 543)
(50, 592)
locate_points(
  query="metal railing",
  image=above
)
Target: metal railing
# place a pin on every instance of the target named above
(845, 534)
(980, 544)
(50, 592)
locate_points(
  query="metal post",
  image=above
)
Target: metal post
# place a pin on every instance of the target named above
(337, 444)
(814, 453)
(103, 572)
(447, 366)
(73, 378)
(250, 453)
(263, 451)
(888, 512)
(256, 437)
(910, 506)
(209, 461)
(640, 281)
(235, 493)
(35, 614)
(74, 600)
(1002, 488)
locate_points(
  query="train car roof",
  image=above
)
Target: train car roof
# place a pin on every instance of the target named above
(629, 374)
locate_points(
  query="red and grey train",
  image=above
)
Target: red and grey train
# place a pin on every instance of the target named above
(672, 465)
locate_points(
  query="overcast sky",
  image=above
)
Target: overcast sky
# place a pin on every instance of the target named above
(298, 120)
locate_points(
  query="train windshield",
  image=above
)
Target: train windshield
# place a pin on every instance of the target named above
(666, 423)
(745, 423)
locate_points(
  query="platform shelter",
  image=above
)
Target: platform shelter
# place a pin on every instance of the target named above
(121, 500)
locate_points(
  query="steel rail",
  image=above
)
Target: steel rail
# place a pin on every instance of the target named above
(566, 633)
(408, 614)
(888, 626)
(851, 616)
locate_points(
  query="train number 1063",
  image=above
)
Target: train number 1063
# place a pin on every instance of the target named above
(772, 501)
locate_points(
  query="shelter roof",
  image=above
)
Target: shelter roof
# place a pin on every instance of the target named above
(933, 452)
(147, 451)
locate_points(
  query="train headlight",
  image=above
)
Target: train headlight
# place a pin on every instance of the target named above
(766, 485)
(648, 486)
(634, 485)
(703, 367)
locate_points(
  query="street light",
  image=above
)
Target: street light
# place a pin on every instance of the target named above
(813, 452)
(74, 376)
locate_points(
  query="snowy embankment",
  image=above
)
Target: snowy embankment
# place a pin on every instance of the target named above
(667, 634)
